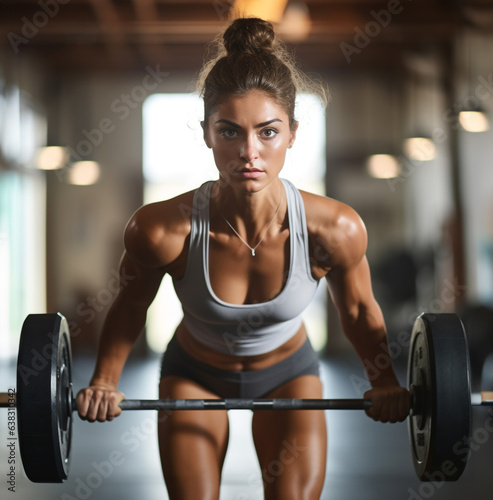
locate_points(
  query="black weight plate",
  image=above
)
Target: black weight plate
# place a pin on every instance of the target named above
(439, 376)
(44, 397)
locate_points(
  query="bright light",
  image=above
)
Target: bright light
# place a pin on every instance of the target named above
(296, 23)
(383, 166)
(84, 173)
(420, 149)
(51, 158)
(271, 10)
(174, 149)
(474, 121)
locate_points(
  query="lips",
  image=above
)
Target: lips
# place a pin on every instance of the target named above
(249, 173)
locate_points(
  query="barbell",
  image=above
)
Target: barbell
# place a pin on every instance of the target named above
(439, 422)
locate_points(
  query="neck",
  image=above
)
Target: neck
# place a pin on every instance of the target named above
(250, 213)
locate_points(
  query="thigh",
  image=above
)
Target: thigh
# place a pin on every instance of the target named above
(192, 443)
(292, 445)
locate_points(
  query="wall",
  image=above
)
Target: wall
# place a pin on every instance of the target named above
(100, 119)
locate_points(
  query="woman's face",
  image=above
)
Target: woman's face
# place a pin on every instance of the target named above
(249, 136)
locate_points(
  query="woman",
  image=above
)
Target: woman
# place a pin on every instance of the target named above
(246, 253)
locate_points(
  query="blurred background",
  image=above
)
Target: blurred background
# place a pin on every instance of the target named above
(98, 115)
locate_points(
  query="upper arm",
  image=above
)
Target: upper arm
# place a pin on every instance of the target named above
(154, 239)
(343, 238)
(138, 284)
(144, 238)
(156, 234)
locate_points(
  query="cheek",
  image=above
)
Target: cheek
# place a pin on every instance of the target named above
(276, 148)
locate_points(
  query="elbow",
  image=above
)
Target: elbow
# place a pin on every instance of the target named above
(350, 316)
(361, 318)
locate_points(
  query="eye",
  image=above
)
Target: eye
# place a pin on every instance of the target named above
(229, 133)
(269, 133)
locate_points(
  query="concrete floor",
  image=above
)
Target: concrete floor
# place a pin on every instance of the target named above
(367, 460)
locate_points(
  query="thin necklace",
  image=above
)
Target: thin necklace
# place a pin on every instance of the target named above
(252, 249)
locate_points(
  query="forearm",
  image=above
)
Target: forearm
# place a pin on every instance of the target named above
(123, 325)
(367, 333)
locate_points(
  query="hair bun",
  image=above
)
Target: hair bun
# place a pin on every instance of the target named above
(249, 36)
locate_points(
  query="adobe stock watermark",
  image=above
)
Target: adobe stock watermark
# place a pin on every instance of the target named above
(223, 8)
(48, 9)
(88, 309)
(482, 92)
(372, 29)
(274, 469)
(407, 169)
(131, 440)
(392, 349)
(40, 360)
(463, 450)
(95, 304)
(121, 108)
(100, 471)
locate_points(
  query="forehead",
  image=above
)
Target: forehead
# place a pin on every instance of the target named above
(254, 107)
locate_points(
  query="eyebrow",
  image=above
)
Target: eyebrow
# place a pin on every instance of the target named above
(235, 125)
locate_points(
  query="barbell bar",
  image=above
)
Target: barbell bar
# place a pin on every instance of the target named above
(438, 380)
(483, 398)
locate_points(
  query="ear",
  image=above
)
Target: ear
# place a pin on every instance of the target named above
(294, 129)
(206, 135)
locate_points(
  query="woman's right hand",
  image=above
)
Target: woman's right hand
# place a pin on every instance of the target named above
(99, 402)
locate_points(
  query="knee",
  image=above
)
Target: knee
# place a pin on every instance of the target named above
(280, 489)
(303, 494)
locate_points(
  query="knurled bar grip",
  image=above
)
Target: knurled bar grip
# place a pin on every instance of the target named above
(477, 399)
(245, 404)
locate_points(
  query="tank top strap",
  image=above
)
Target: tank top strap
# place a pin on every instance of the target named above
(298, 230)
(200, 226)
(199, 231)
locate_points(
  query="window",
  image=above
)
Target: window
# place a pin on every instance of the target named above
(177, 160)
(22, 216)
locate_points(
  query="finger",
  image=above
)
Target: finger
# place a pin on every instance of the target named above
(112, 406)
(83, 402)
(384, 413)
(376, 409)
(102, 412)
(115, 409)
(92, 412)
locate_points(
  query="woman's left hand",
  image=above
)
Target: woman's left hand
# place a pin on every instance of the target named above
(389, 403)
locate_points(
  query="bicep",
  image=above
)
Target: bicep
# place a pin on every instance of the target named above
(138, 284)
(350, 288)
(352, 294)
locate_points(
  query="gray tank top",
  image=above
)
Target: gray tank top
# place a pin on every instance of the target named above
(246, 329)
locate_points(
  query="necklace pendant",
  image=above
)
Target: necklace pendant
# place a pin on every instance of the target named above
(253, 252)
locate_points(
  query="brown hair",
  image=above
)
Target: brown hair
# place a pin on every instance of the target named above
(249, 56)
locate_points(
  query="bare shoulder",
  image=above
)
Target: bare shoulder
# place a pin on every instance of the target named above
(155, 235)
(337, 233)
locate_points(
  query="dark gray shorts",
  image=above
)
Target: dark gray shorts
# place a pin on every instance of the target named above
(239, 384)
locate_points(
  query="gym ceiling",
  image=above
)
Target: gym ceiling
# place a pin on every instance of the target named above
(121, 35)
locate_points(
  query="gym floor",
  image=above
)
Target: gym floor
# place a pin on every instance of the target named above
(367, 460)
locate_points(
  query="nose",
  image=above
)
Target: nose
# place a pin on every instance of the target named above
(249, 149)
